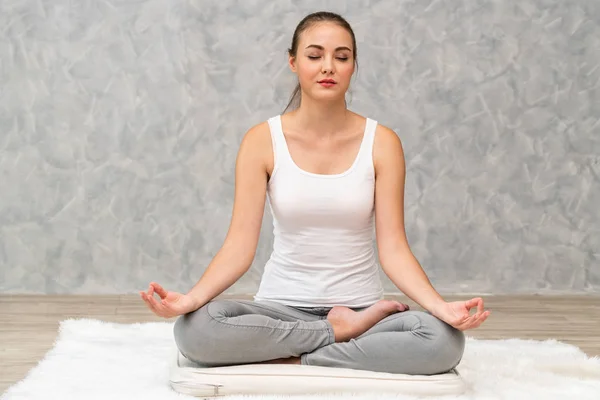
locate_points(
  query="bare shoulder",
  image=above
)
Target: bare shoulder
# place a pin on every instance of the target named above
(387, 147)
(257, 144)
(258, 135)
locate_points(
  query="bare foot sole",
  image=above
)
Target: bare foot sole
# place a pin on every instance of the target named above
(348, 324)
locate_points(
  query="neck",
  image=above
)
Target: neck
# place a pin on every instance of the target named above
(322, 118)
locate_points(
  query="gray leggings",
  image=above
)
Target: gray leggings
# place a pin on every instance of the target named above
(230, 332)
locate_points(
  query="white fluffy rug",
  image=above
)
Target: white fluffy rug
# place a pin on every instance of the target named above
(98, 360)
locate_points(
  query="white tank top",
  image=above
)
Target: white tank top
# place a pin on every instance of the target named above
(323, 252)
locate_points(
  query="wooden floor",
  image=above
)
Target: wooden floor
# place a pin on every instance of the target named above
(28, 324)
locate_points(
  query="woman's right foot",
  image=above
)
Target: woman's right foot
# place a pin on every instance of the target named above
(348, 324)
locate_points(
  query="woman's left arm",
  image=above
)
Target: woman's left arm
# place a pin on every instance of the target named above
(397, 260)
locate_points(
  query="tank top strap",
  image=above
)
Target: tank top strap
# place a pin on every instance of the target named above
(368, 142)
(280, 150)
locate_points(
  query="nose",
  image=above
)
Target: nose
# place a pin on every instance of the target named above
(327, 67)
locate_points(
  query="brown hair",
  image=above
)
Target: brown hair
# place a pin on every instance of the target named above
(307, 22)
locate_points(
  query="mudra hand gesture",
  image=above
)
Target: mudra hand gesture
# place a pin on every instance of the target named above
(171, 304)
(457, 313)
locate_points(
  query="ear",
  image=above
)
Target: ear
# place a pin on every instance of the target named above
(292, 64)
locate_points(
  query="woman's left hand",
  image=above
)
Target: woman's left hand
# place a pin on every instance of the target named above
(457, 313)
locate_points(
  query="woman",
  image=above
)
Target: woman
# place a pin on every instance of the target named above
(331, 175)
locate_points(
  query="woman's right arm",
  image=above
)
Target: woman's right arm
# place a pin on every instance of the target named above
(254, 161)
(235, 257)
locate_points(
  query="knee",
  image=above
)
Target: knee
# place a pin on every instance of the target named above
(196, 334)
(447, 343)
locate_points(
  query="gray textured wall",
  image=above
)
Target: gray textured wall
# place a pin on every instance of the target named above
(120, 123)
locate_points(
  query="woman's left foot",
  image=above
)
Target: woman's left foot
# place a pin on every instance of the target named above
(348, 324)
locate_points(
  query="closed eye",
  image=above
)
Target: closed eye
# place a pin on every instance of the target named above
(317, 57)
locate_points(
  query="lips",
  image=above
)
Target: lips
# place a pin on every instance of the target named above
(327, 81)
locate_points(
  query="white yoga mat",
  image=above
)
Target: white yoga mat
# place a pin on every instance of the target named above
(98, 360)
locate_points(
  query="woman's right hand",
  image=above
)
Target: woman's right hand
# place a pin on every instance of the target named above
(171, 304)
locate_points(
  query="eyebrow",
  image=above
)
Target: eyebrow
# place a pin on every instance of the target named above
(316, 46)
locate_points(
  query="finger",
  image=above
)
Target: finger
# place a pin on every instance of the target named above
(467, 323)
(480, 305)
(483, 317)
(474, 325)
(461, 323)
(470, 304)
(156, 306)
(146, 299)
(463, 317)
(159, 290)
(148, 303)
(153, 300)
(475, 302)
(462, 327)
(478, 321)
